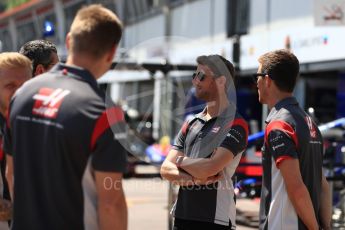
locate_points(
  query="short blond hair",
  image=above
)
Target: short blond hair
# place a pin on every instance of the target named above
(11, 60)
(94, 31)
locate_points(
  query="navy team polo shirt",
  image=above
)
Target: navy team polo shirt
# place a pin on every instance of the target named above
(290, 133)
(60, 130)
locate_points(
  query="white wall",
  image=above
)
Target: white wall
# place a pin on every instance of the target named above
(140, 32)
(199, 19)
(275, 14)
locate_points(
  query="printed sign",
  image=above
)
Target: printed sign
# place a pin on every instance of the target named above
(329, 12)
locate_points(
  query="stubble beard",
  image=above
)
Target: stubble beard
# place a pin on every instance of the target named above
(200, 95)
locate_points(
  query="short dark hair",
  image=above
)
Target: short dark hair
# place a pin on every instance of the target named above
(219, 66)
(95, 30)
(282, 66)
(39, 52)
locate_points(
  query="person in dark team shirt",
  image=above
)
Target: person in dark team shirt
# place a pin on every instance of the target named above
(295, 193)
(207, 151)
(64, 140)
(15, 69)
(42, 53)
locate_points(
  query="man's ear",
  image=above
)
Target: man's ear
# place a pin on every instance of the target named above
(67, 41)
(39, 69)
(221, 80)
(111, 53)
(268, 81)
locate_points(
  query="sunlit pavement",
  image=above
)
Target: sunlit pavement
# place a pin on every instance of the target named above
(248, 213)
(147, 200)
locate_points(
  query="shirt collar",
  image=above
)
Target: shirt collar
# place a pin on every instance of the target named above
(76, 72)
(283, 103)
(229, 112)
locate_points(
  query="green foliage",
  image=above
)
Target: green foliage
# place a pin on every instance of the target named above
(13, 3)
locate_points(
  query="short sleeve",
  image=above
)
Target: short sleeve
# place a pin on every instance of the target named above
(109, 154)
(236, 139)
(180, 138)
(281, 141)
(107, 142)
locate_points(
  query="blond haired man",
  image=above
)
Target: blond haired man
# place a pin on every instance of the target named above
(15, 69)
(71, 167)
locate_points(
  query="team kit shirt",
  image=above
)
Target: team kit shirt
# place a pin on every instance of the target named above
(290, 134)
(60, 132)
(2, 128)
(4, 191)
(2, 157)
(198, 138)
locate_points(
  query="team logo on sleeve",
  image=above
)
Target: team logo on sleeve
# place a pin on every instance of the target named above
(311, 126)
(215, 129)
(48, 102)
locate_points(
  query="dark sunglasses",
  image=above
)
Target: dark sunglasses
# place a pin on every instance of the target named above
(257, 75)
(200, 75)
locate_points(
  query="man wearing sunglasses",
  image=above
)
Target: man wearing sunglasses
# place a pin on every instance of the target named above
(292, 154)
(207, 151)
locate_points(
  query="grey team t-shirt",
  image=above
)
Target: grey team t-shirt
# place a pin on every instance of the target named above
(198, 138)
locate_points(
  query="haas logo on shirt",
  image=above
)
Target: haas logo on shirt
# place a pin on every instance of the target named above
(311, 126)
(48, 102)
